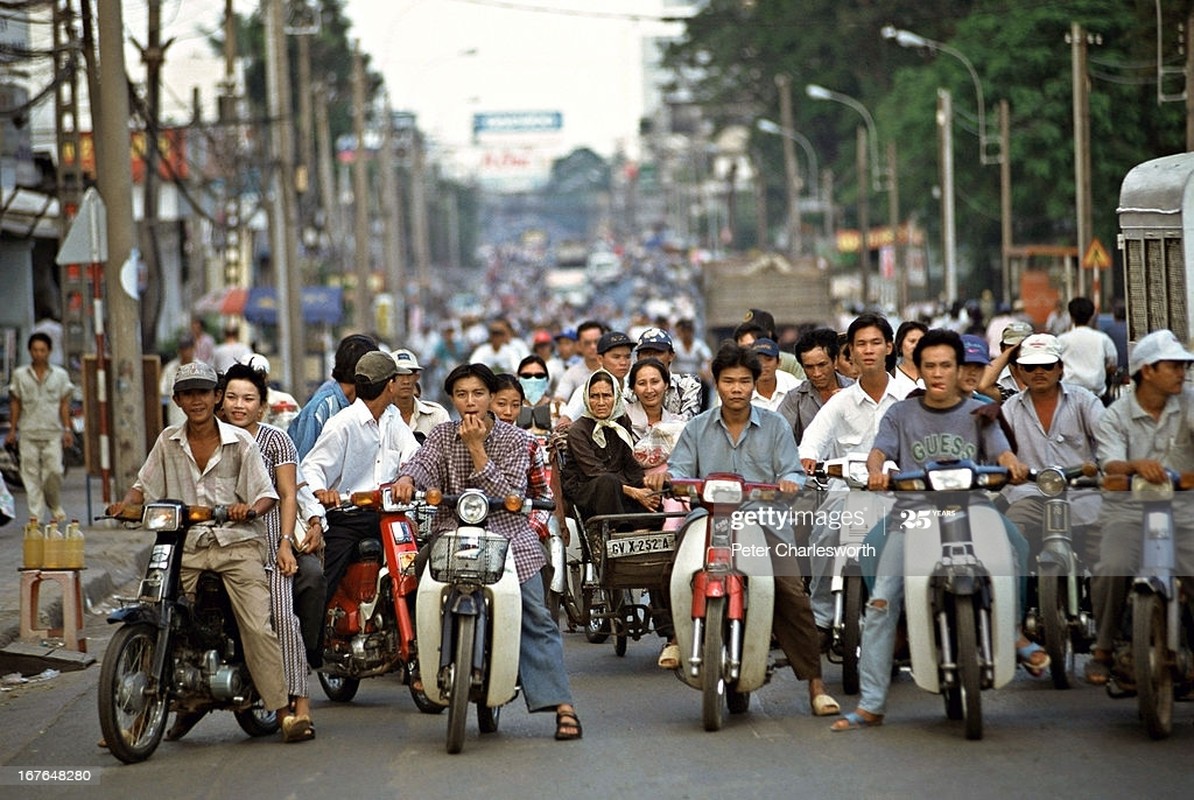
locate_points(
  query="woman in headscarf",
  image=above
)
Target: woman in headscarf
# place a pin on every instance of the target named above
(601, 475)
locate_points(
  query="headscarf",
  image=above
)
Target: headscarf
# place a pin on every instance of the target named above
(611, 421)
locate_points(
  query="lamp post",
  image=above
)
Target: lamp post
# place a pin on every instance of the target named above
(868, 140)
(793, 182)
(814, 172)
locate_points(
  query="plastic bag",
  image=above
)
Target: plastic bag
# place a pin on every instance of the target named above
(654, 448)
(8, 508)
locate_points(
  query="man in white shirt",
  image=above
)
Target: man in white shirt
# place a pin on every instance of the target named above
(503, 350)
(773, 385)
(1087, 353)
(360, 448)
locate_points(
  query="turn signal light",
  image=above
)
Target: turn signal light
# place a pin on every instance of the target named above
(1186, 481)
(433, 497)
(367, 499)
(512, 503)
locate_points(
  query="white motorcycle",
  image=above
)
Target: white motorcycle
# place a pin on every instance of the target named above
(959, 586)
(468, 615)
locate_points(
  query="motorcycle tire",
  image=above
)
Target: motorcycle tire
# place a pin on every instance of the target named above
(851, 633)
(461, 683)
(571, 599)
(424, 703)
(1052, 589)
(969, 671)
(713, 685)
(258, 721)
(132, 722)
(488, 718)
(596, 609)
(339, 688)
(1150, 656)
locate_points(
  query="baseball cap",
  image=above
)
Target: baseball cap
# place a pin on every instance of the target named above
(541, 337)
(976, 350)
(376, 366)
(612, 339)
(1040, 348)
(765, 347)
(655, 339)
(406, 361)
(195, 375)
(1159, 345)
(567, 333)
(1015, 332)
(255, 361)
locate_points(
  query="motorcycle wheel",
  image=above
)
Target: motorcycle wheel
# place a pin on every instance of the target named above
(617, 612)
(595, 610)
(424, 703)
(713, 686)
(462, 668)
(339, 688)
(738, 702)
(258, 721)
(571, 599)
(488, 718)
(553, 600)
(132, 722)
(969, 678)
(1150, 655)
(1051, 585)
(851, 633)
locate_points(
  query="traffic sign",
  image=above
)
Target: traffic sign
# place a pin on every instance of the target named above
(1096, 256)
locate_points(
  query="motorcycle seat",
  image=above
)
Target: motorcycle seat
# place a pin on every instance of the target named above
(368, 550)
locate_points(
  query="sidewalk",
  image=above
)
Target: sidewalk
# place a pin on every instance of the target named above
(114, 557)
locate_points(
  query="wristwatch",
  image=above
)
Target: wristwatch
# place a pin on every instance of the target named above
(288, 538)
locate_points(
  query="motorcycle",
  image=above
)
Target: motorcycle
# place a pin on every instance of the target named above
(1062, 619)
(469, 613)
(959, 586)
(1162, 623)
(173, 652)
(368, 627)
(730, 594)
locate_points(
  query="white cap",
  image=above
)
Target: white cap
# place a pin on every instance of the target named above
(1039, 348)
(406, 361)
(1159, 345)
(256, 361)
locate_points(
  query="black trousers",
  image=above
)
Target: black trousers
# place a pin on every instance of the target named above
(346, 529)
(310, 602)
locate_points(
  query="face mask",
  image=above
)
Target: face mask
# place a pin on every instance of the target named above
(533, 388)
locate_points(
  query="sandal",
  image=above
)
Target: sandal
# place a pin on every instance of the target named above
(853, 721)
(1097, 672)
(1033, 658)
(297, 728)
(825, 706)
(567, 725)
(669, 656)
(183, 722)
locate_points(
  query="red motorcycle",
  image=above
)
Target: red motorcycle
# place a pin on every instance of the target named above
(368, 628)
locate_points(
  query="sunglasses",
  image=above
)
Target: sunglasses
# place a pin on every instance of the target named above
(532, 374)
(1035, 367)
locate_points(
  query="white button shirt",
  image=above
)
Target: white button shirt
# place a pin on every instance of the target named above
(355, 452)
(849, 420)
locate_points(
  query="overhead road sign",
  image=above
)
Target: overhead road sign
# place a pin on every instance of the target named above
(518, 122)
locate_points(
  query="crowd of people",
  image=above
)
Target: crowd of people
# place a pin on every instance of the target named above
(632, 408)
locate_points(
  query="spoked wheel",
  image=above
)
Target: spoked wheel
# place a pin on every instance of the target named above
(462, 669)
(258, 721)
(132, 721)
(851, 633)
(1059, 645)
(488, 718)
(339, 688)
(713, 686)
(596, 610)
(969, 677)
(1150, 656)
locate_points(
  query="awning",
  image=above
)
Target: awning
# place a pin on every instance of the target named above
(321, 305)
(229, 301)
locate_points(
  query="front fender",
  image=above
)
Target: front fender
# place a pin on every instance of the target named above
(135, 614)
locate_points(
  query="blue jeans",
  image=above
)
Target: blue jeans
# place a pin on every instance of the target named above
(541, 652)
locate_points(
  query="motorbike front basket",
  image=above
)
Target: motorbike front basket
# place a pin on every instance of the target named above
(468, 558)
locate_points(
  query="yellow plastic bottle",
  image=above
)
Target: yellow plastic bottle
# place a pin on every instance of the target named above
(34, 545)
(74, 545)
(55, 548)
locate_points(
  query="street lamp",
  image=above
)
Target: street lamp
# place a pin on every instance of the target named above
(767, 126)
(912, 40)
(821, 93)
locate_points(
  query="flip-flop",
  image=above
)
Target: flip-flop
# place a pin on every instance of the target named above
(853, 721)
(1025, 655)
(565, 720)
(1097, 673)
(296, 728)
(669, 656)
(825, 706)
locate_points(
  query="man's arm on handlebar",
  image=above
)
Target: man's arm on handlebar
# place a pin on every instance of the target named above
(878, 479)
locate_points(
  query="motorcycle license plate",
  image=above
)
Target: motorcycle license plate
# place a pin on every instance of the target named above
(636, 545)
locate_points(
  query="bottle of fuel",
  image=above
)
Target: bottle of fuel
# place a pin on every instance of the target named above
(55, 548)
(74, 545)
(34, 545)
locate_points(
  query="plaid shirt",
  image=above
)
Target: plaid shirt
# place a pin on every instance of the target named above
(444, 462)
(538, 484)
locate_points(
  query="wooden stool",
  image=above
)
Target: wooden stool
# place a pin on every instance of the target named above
(71, 631)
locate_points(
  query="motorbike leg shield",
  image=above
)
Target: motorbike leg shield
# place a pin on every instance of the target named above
(505, 618)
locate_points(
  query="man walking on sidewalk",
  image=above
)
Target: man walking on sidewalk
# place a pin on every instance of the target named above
(39, 398)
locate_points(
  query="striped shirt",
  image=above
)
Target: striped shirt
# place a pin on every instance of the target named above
(444, 462)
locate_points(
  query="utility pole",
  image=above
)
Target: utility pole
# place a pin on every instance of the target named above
(1189, 81)
(949, 233)
(69, 181)
(1005, 199)
(360, 196)
(864, 219)
(306, 139)
(327, 177)
(893, 205)
(392, 224)
(760, 194)
(827, 204)
(116, 188)
(418, 201)
(784, 84)
(1082, 198)
(284, 211)
(153, 53)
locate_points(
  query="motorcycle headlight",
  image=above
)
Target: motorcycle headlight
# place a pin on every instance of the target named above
(472, 508)
(162, 517)
(1051, 482)
(953, 479)
(719, 491)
